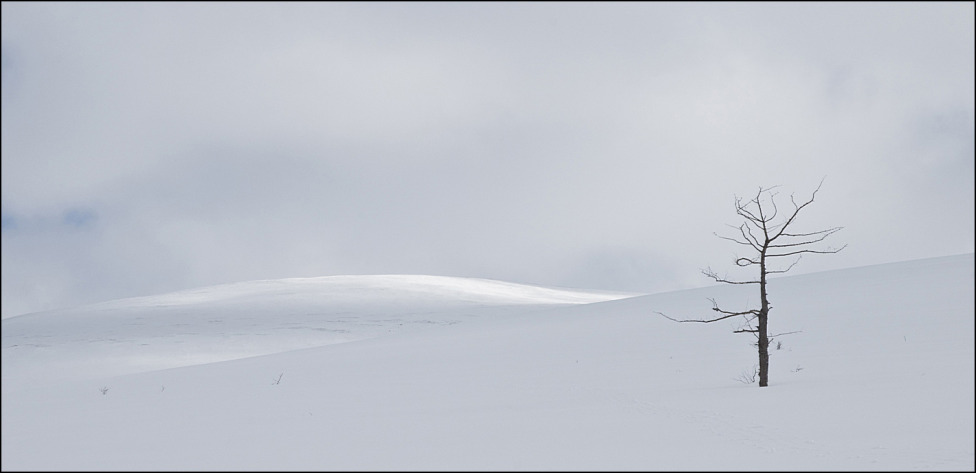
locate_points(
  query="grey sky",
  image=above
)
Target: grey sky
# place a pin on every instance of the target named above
(150, 147)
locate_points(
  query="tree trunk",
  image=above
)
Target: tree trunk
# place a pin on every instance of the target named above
(763, 351)
(763, 323)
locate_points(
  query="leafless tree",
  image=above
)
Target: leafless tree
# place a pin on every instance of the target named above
(767, 240)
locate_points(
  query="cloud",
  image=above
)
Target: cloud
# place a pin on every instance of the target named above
(552, 144)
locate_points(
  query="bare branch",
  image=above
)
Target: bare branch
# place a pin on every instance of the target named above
(742, 262)
(823, 234)
(753, 238)
(769, 271)
(702, 321)
(747, 243)
(715, 307)
(747, 236)
(743, 211)
(662, 314)
(822, 252)
(747, 327)
(809, 234)
(759, 208)
(772, 201)
(708, 272)
(797, 211)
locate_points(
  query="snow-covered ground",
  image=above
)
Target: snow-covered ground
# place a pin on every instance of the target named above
(424, 372)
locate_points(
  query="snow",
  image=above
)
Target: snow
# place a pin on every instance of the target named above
(435, 373)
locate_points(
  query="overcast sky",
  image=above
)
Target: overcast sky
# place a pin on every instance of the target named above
(152, 147)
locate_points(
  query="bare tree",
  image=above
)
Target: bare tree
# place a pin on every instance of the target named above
(768, 240)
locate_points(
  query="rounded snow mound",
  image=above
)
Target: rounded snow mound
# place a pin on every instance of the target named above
(373, 289)
(231, 321)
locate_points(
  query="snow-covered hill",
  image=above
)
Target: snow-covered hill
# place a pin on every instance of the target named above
(256, 318)
(448, 373)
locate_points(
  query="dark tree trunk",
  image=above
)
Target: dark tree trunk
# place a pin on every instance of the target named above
(763, 352)
(763, 319)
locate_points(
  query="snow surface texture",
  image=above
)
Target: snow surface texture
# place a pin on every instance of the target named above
(422, 372)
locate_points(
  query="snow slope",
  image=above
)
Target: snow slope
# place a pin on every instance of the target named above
(880, 376)
(252, 318)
